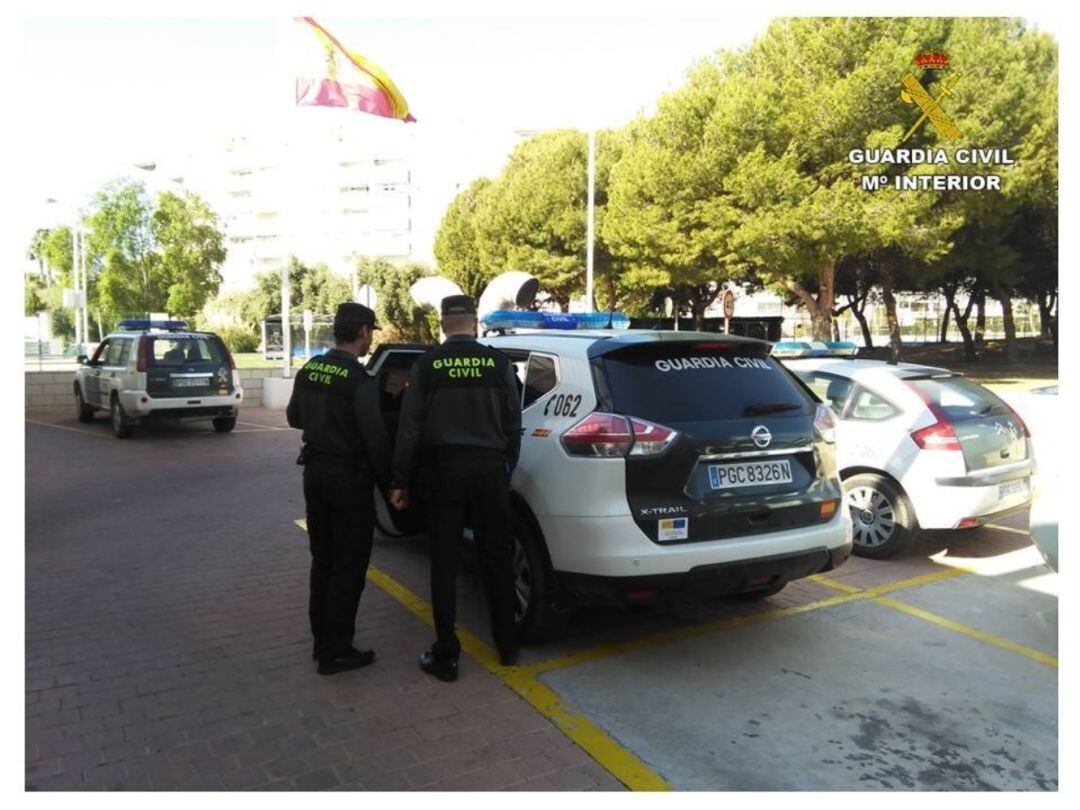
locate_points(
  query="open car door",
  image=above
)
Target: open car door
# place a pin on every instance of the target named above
(390, 366)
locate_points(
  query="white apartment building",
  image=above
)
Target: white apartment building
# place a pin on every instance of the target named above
(324, 192)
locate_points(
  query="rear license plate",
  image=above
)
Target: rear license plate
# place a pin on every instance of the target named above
(190, 382)
(1011, 488)
(749, 474)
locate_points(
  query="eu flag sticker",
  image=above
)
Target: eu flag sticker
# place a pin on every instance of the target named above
(673, 529)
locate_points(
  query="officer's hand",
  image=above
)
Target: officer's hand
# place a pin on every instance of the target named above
(399, 498)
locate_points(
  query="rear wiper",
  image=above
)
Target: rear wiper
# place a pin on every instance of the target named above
(761, 408)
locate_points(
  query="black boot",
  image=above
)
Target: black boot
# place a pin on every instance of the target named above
(444, 669)
(352, 659)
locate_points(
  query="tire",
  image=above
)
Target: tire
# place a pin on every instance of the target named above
(537, 620)
(120, 425)
(83, 412)
(224, 424)
(881, 514)
(759, 594)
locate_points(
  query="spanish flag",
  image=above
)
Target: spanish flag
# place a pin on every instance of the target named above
(330, 75)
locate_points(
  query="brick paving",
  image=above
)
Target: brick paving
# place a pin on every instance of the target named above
(167, 646)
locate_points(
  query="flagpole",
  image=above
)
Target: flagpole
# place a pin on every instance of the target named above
(591, 223)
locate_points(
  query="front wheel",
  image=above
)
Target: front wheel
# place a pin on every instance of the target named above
(83, 412)
(224, 424)
(881, 516)
(536, 618)
(120, 424)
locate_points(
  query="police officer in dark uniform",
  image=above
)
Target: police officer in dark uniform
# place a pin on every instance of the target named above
(345, 453)
(461, 424)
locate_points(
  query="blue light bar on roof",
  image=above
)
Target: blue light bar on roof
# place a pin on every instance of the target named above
(515, 319)
(138, 324)
(791, 348)
(814, 348)
(842, 348)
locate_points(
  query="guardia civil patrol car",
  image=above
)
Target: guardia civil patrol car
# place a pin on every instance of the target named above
(158, 369)
(653, 465)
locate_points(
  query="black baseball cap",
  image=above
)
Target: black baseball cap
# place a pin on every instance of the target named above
(458, 305)
(358, 314)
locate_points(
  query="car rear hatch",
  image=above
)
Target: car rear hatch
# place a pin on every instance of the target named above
(185, 365)
(989, 433)
(747, 457)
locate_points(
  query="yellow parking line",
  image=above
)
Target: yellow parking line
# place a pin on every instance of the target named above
(970, 632)
(1024, 532)
(835, 584)
(617, 760)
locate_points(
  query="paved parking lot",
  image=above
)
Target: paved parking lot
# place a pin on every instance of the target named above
(167, 648)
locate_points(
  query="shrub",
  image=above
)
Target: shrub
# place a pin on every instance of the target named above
(239, 340)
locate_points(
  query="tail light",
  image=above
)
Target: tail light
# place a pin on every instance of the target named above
(599, 435)
(650, 439)
(143, 362)
(825, 424)
(938, 436)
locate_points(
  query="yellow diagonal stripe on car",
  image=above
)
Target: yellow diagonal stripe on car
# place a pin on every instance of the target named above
(617, 760)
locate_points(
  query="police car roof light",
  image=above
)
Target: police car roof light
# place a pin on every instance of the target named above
(792, 348)
(143, 324)
(506, 319)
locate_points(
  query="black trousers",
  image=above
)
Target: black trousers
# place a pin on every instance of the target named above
(340, 521)
(469, 487)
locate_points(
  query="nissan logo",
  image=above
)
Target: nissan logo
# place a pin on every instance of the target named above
(761, 436)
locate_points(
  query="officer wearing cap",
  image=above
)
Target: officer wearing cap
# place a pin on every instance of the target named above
(345, 452)
(461, 424)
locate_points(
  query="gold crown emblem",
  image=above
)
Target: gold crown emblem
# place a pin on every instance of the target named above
(932, 61)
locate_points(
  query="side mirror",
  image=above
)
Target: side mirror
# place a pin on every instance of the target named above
(82, 359)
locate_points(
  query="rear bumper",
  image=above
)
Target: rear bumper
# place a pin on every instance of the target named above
(614, 547)
(195, 407)
(943, 507)
(716, 579)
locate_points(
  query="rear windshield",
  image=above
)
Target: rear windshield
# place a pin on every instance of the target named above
(167, 351)
(958, 397)
(698, 382)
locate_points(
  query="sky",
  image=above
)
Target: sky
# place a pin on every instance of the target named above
(151, 90)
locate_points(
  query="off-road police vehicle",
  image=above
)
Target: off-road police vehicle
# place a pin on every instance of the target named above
(158, 369)
(654, 464)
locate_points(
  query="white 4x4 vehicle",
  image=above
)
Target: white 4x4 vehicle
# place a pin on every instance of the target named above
(654, 464)
(158, 369)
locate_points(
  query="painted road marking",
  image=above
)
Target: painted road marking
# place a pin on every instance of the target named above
(263, 427)
(970, 632)
(96, 435)
(941, 621)
(1024, 532)
(616, 759)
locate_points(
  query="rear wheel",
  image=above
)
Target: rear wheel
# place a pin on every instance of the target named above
(224, 424)
(536, 617)
(881, 515)
(120, 425)
(83, 412)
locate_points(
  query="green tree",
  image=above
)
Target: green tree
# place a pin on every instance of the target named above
(399, 316)
(150, 255)
(457, 248)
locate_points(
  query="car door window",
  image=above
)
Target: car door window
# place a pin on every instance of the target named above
(117, 354)
(869, 406)
(541, 376)
(102, 351)
(829, 388)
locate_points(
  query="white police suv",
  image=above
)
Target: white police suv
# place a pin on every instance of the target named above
(158, 369)
(654, 464)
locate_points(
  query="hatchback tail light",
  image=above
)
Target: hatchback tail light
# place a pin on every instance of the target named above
(599, 435)
(938, 436)
(825, 424)
(1023, 424)
(650, 439)
(143, 362)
